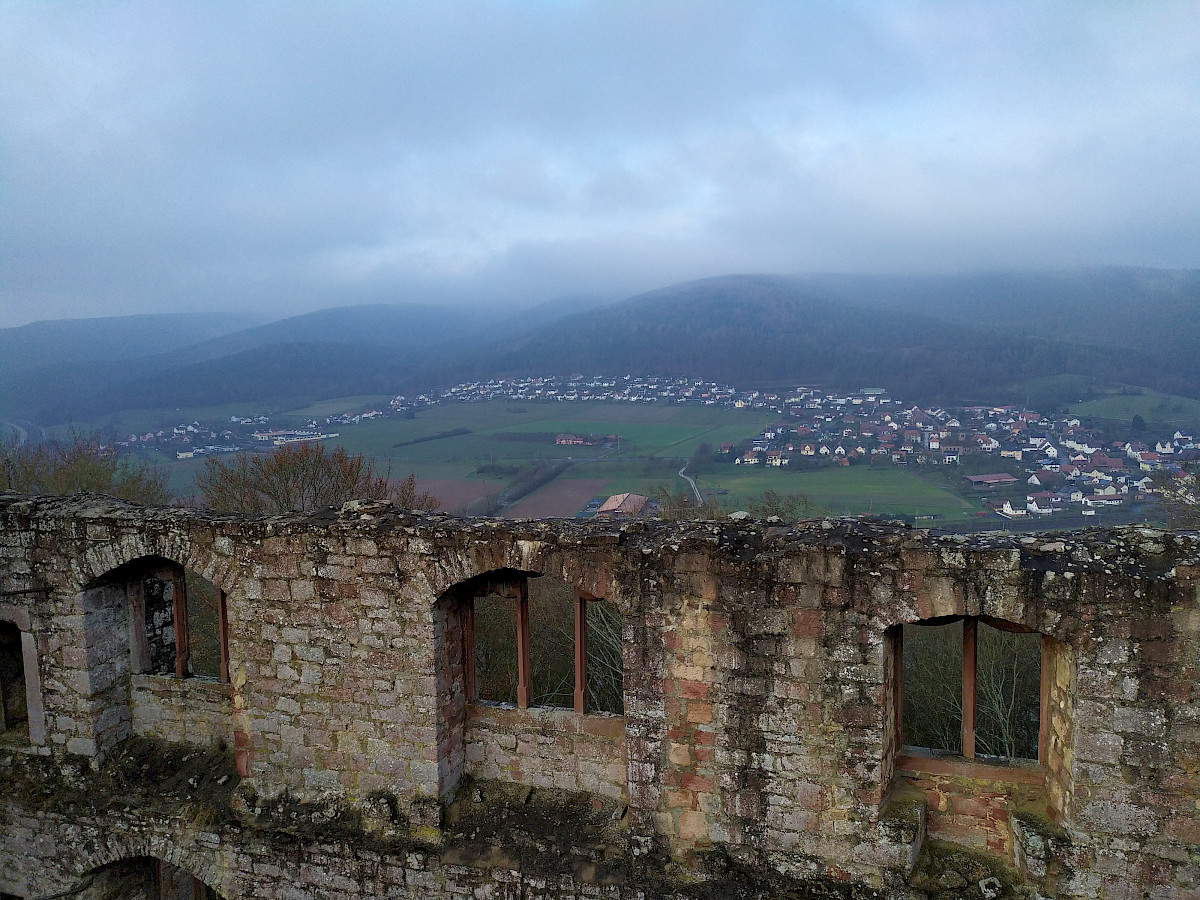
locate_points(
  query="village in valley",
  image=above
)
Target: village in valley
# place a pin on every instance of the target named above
(1043, 465)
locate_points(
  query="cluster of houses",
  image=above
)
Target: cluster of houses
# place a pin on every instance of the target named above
(185, 440)
(1064, 464)
(604, 388)
(348, 418)
(280, 437)
(1074, 472)
(243, 433)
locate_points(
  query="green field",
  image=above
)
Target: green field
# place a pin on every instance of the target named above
(647, 432)
(1158, 410)
(631, 476)
(853, 490)
(654, 438)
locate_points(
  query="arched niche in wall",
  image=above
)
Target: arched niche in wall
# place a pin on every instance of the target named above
(175, 617)
(145, 878)
(524, 652)
(158, 657)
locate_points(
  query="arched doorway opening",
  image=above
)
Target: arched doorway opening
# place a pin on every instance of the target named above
(144, 878)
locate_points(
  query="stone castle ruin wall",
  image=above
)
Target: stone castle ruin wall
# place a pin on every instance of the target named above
(343, 754)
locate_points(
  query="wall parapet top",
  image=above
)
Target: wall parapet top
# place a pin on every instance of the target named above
(1131, 550)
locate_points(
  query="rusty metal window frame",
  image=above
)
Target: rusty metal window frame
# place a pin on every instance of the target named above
(517, 589)
(970, 661)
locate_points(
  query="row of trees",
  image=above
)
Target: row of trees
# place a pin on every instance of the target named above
(302, 477)
(294, 478)
(81, 463)
(674, 505)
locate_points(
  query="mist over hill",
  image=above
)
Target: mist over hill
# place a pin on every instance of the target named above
(152, 361)
(1154, 309)
(962, 339)
(48, 343)
(965, 338)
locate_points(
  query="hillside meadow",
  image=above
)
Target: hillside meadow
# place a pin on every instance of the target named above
(1156, 409)
(854, 490)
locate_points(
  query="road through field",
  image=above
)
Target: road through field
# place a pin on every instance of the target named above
(692, 482)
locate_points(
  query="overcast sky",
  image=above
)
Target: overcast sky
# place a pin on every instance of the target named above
(289, 156)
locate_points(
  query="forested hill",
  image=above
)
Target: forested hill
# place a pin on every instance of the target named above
(1019, 337)
(1154, 309)
(112, 338)
(148, 361)
(764, 330)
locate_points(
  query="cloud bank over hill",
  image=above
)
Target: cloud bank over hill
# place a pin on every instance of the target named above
(288, 157)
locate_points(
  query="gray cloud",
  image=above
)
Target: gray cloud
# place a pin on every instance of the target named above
(165, 156)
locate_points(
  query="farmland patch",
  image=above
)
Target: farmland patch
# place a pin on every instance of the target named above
(559, 498)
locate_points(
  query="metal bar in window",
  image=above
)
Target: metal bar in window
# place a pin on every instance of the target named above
(898, 683)
(580, 652)
(524, 676)
(182, 650)
(223, 634)
(470, 682)
(1048, 673)
(139, 647)
(970, 634)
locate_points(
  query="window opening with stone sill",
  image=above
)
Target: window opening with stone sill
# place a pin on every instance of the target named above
(178, 624)
(540, 642)
(974, 688)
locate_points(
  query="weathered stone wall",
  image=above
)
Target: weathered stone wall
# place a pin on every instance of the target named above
(760, 695)
(971, 804)
(159, 598)
(1059, 698)
(549, 748)
(188, 710)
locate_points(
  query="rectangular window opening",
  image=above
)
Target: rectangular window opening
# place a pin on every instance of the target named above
(542, 643)
(605, 659)
(14, 697)
(973, 688)
(205, 623)
(933, 675)
(178, 625)
(495, 649)
(1008, 693)
(552, 642)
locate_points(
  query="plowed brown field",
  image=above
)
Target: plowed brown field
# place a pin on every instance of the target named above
(458, 492)
(564, 497)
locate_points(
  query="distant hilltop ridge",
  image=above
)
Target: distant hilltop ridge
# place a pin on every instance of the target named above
(969, 338)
